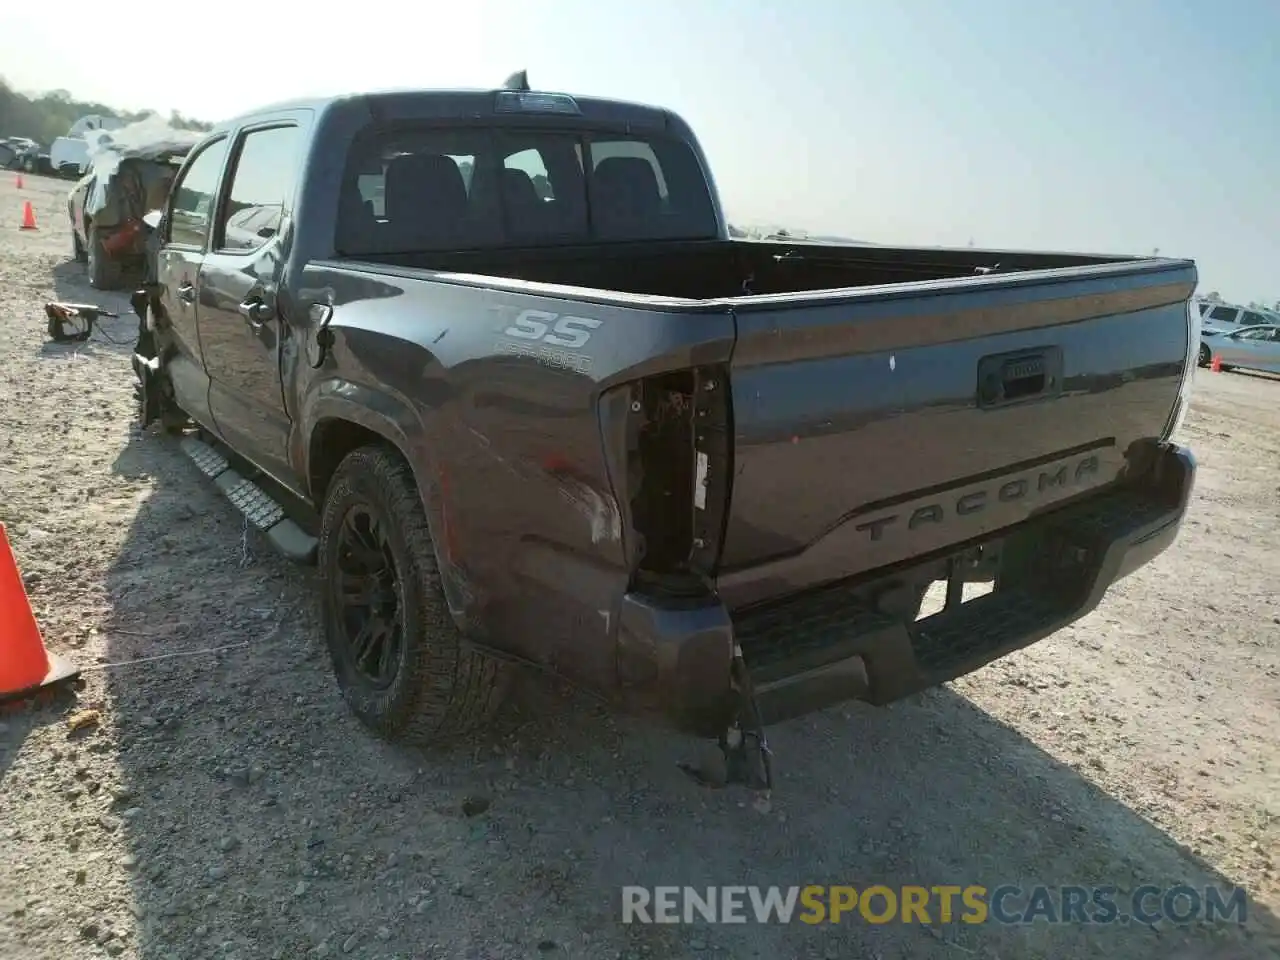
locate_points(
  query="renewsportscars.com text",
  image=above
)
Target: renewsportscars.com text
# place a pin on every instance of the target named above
(973, 904)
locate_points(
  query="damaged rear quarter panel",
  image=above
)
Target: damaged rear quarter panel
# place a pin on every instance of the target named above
(492, 391)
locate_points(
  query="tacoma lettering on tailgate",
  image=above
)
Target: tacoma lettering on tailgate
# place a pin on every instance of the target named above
(1039, 484)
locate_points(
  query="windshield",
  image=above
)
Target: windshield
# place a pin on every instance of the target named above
(420, 188)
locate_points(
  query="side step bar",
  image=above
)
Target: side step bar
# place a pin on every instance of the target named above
(256, 504)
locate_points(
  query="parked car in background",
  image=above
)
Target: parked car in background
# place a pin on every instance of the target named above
(21, 153)
(1227, 316)
(69, 156)
(131, 170)
(106, 214)
(1246, 348)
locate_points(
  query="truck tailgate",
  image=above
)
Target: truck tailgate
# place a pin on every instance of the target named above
(882, 424)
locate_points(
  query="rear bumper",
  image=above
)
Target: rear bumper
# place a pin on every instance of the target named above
(828, 645)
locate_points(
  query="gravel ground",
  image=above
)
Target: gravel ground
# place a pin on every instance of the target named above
(226, 805)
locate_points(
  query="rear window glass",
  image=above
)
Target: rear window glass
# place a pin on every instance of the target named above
(413, 189)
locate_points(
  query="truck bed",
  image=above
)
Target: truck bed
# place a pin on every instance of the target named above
(856, 378)
(713, 269)
(891, 403)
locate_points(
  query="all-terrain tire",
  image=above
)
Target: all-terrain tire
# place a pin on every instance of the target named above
(442, 687)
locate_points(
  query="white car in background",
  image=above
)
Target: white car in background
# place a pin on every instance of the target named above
(1245, 348)
(69, 155)
(1227, 316)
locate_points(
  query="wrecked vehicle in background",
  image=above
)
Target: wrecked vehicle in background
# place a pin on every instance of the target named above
(131, 170)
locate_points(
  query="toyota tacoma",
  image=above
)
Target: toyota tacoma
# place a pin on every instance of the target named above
(493, 362)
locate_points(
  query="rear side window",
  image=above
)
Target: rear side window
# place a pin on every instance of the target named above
(191, 211)
(413, 189)
(1225, 314)
(262, 184)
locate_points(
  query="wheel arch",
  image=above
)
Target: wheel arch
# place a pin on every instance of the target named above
(340, 416)
(345, 417)
(338, 427)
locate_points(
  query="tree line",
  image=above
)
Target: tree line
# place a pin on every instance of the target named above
(44, 117)
(1216, 297)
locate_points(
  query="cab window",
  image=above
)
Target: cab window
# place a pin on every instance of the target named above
(261, 189)
(191, 206)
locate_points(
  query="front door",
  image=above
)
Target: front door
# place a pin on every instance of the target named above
(241, 329)
(188, 222)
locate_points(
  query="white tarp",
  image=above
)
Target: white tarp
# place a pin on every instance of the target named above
(149, 138)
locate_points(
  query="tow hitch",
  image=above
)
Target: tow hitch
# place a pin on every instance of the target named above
(744, 748)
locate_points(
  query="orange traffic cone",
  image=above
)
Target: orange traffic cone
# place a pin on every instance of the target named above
(26, 667)
(1216, 364)
(18, 182)
(28, 217)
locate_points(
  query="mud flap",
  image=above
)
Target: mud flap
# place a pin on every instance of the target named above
(141, 302)
(148, 390)
(153, 400)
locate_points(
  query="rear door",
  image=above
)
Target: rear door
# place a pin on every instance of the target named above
(241, 328)
(188, 222)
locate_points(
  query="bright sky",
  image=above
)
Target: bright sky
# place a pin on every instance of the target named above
(1103, 125)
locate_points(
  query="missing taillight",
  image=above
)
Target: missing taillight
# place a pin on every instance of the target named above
(662, 471)
(712, 456)
(678, 473)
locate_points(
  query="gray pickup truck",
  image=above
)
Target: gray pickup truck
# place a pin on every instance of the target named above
(492, 361)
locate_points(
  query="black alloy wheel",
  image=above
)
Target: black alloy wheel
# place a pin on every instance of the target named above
(369, 597)
(401, 662)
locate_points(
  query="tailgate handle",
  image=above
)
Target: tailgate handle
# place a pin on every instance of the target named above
(1023, 378)
(1006, 378)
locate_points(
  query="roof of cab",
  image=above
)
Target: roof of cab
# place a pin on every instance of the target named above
(462, 102)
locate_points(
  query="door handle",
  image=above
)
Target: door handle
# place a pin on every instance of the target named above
(187, 293)
(255, 311)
